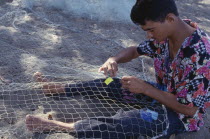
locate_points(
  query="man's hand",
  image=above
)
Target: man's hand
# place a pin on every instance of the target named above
(110, 67)
(134, 84)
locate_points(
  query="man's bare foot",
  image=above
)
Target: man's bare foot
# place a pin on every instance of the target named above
(38, 124)
(39, 77)
(49, 87)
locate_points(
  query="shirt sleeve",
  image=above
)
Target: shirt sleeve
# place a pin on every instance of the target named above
(147, 48)
(193, 89)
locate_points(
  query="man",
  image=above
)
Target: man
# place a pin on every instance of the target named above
(181, 60)
(181, 55)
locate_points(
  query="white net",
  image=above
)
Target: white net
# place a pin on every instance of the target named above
(68, 50)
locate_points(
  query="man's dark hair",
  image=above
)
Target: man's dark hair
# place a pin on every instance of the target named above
(152, 10)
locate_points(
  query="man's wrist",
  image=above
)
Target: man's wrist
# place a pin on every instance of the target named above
(114, 59)
(148, 89)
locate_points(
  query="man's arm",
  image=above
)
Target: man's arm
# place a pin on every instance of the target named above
(170, 101)
(136, 85)
(111, 65)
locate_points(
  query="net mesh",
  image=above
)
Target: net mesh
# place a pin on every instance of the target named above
(70, 90)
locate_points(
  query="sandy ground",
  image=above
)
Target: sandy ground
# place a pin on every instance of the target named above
(66, 49)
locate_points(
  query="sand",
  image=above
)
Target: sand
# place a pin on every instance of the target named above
(66, 48)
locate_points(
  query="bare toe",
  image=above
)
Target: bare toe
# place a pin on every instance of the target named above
(39, 77)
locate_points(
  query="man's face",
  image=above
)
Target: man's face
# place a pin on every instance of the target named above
(156, 30)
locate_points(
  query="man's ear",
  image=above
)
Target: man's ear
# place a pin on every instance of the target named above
(170, 18)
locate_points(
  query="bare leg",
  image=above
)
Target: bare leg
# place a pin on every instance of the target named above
(49, 87)
(38, 124)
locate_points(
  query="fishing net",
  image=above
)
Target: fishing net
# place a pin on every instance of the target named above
(68, 50)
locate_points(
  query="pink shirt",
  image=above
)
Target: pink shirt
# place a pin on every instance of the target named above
(187, 76)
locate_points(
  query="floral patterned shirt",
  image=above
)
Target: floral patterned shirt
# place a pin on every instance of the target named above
(187, 76)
